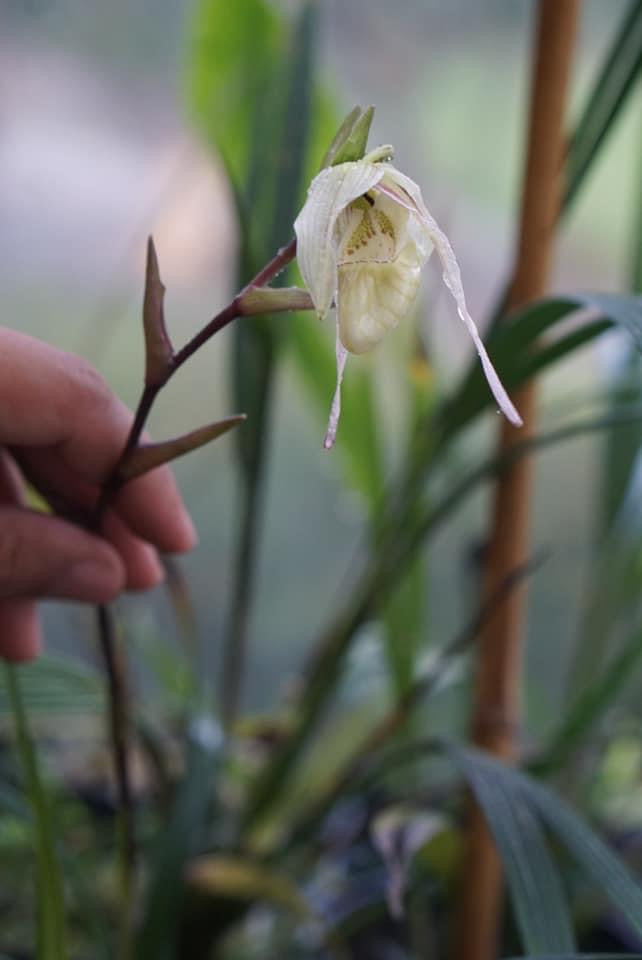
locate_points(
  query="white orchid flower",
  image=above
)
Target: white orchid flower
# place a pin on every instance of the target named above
(363, 236)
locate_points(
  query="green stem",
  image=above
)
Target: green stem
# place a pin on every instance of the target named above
(51, 931)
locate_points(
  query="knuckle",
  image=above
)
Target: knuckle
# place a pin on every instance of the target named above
(87, 397)
(87, 379)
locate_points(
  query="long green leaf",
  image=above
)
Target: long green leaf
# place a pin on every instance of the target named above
(518, 353)
(620, 452)
(591, 705)
(607, 872)
(55, 684)
(534, 884)
(234, 51)
(178, 842)
(227, 877)
(349, 776)
(373, 589)
(406, 528)
(51, 924)
(613, 83)
(405, 620)
(278, 156)
(636, 238)
(405, 615)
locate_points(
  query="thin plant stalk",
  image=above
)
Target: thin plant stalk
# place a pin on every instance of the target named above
(119, 723)
(496, 707)
(115, 665)
(619, 459)
(636, 252)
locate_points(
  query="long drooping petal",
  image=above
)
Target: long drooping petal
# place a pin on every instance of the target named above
(329, 194)
(335, 410)
(451, 276)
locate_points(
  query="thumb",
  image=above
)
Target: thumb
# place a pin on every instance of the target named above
(43, 556)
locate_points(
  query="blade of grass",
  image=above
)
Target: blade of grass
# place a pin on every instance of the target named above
(308, 823)
(51, 924)
(620, 455)
(607, 872)
(611, 88)
(55, 684)
(590, 707)
(534, 884)
(614, 579)
(181, 839)
(636, 245)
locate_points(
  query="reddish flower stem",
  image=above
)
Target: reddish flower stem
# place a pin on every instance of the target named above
(114, 664)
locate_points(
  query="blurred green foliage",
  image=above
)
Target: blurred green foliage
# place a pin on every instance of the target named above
(242, 853)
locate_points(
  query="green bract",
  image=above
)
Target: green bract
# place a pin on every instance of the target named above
(363, 236)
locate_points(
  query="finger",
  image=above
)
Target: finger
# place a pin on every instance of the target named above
(42, 556)
(152, 507)
(11, 485)
(63, 488)
(53, 399)
(20, 633)
(143, 568)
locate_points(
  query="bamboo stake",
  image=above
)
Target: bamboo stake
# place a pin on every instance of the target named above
(496, 702)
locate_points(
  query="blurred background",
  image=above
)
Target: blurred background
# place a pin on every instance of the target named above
(99, 148)
(143, 117)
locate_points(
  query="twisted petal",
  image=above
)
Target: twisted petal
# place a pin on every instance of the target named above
(335, 410)
(402, 189)
(329, 194)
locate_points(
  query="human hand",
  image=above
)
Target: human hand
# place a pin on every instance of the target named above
(62, 429)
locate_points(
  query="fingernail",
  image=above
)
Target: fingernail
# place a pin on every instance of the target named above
(20, 633)
(88, 580)
(157, 570)
(149, 572)
(189, 534)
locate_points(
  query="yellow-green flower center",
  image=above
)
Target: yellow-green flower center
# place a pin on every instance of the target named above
(368, 233)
